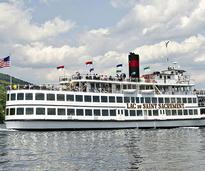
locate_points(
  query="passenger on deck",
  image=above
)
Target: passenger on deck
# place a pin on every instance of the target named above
(86, 77)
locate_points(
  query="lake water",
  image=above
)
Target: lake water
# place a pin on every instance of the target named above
(93, 150)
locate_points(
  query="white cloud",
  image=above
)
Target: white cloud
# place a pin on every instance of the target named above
(16, 24)
(39, 55)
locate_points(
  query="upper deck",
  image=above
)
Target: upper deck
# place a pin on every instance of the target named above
(170, 82)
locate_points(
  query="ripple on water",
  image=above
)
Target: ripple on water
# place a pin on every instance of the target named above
(126, 149)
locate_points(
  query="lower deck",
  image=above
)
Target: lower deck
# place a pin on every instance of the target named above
(101, 124)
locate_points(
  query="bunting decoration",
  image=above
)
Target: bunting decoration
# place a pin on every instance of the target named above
(118, 68)
(89, 62)
(60, 67)
(89, 65)
(147, 68)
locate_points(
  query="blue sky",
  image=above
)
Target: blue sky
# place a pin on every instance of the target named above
(90, 15)
(43, 34)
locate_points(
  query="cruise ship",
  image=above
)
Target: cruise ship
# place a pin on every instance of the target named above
(161, 99)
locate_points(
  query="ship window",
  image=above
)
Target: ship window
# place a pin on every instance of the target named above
(88, 112)
(195, 112)
(179, 112)
(7, 97)
(184, 100)
(79, 98)
(40, 111)
(79, 112)
(7, 111)
(174, 112)
(139, 112)
(142, 99)
(137, 100)
(87, 98)
(126, 100)
(167, 100)
(173, 100)
(104, 112)
(161, 100)
(51, 111)
(149, 112)
(29, 96)
(189, 100)
(132, 113)
(61, 111)
(185, 112)
(39, 96)
(134, 86)
(20, 111)
(13, 96)
(132, 99)
(20, 96)
(70, 97)
(29, 111)
(118, 87)
(168, 112)
(179, 100)
(124, 87)
(190, 112)
(126, 112)
(60, 97)
(96, 112)
(147, 100)
(96, 99)
(154, 100)
(194, 100)
(70, 111)
(155, 112)
(112, 112)
(112, 99)
(12, 111)
(119, 99)
(103, 98)
(129, 86)
(51, 97)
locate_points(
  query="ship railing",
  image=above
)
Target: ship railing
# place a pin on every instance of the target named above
(99, 77)
(57, 87)
(200, 92)
(35, 87)
(177, 92)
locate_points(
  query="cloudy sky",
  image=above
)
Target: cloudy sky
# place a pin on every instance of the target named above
(43, 34)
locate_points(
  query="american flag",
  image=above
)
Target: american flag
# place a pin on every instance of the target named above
(5, 62)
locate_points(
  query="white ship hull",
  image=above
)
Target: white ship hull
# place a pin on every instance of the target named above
(91, 124)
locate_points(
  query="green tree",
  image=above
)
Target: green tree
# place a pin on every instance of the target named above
(2, 102)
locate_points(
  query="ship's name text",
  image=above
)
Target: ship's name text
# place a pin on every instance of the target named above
(155, 106)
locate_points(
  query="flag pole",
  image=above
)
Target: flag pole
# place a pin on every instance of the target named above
(166, 44)
(10, 70)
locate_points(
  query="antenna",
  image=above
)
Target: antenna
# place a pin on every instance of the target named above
(166, 44)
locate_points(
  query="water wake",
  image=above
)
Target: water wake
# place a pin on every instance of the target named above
(6, 130)
(191, 127)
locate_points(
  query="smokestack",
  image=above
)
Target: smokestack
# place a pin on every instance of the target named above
(134, 67)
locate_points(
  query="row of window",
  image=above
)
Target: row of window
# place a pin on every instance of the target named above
(94, 98)
(60, 111)
(156, 113)
(95, 112)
